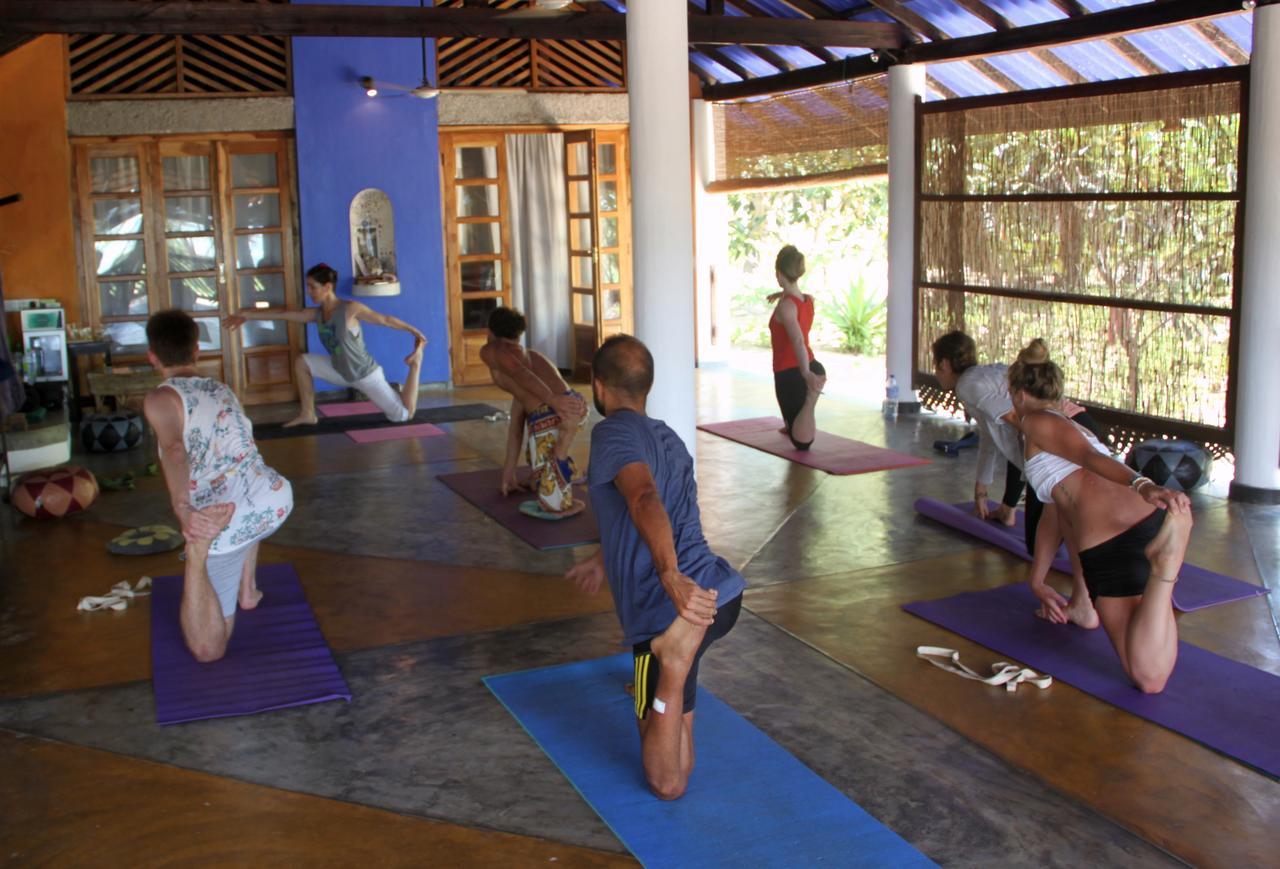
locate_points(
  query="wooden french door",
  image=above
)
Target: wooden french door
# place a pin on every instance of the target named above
(478, 245)
(599, 213)
(200, 224)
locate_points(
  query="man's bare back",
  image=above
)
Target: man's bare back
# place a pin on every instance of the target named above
(503, 356)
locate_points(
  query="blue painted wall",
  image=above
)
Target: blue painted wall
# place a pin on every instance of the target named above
(347, 142)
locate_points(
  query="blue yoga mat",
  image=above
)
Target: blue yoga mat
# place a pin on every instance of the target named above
(277, 656)
(749, 802)
(1226, 705)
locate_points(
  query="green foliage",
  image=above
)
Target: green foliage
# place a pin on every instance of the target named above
(860, 316)
(751, 310)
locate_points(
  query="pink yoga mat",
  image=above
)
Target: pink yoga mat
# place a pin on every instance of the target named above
(394, 433)
(830, 453)
(347, 408)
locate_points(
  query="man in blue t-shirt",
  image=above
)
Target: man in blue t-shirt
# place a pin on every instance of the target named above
(674, 596)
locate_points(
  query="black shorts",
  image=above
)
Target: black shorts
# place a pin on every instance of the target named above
(648, 670)
(1119, 567)
(791, 390)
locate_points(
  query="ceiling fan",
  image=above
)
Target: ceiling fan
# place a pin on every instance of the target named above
(424, 91)
(550, 8)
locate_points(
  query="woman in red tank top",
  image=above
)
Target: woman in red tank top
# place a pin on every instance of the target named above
(798, 378)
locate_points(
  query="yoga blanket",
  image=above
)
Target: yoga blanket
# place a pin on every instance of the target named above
(395, 433)
(353, 422)
(1226, 705)
(1196, 589)
(749, 802)
(481, 489)
(277, 657)
(830, 453)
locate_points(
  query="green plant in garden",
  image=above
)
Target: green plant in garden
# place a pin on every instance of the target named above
(860, 316)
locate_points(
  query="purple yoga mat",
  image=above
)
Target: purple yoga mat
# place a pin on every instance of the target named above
(277, 657)
(1197, 587)
(346, 408)
(481, 489)
(394, 433)
(1226, 705)
(830, 453)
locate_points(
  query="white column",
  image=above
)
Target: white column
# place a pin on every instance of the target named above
(662, 204)
(711, 252)
(905, 84)
(1257, 435)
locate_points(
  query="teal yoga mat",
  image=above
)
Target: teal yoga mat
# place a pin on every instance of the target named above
(749, 802)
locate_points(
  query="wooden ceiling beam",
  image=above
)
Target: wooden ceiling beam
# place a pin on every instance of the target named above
(273, 19)
(750, 8)
(1221, 43)
(726, 61)
(1095, 25)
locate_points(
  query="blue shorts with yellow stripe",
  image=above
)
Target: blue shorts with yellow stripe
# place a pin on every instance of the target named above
(647, 668)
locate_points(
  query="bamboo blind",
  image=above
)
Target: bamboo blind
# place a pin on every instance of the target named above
(819, 130)
(1105, 223)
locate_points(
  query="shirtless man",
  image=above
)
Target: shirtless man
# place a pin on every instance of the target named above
(553, 411)
(673, 595)
(223, 494)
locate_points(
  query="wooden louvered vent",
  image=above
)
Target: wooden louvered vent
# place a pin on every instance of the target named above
(156, 65)
(541, 64)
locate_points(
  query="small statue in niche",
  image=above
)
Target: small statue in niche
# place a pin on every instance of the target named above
(373, 246)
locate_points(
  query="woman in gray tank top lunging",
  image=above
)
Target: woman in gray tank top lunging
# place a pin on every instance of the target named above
(348, 362)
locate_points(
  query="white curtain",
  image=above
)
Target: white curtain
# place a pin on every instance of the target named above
(540, 242)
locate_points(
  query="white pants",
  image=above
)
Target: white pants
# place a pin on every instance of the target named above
(224, 574)
(374, 386)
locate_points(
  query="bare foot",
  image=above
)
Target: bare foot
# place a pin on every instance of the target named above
(1005, 515)
(676, 646)
(416, 355)
(301, 419)
(820, 385)
(1081, 612)
(784, 430)
(578, 507)
(1169, 548)
(249, 597)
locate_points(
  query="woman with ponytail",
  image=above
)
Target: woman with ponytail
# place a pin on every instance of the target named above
(798, 378)
(1131, 535)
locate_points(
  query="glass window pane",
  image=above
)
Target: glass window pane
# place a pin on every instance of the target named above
(188, 214)
(481, 277)
(262, 291)
(610, 269)
(580, 197)
(210, 333)
(260, 251)
(191, 254)
(580, 233)
(584, 309)
(253, 170)
(262, 333)
(194, 294)
(608, 195)
(613, 305)
(475, 312)
(609, 232)
(480, 238)
(117, 217)
(186, 173)
(257, 210)
(122, 298)
(607, 160)
(123, 257)
(577, 156)
(478, 200)
(477, 162)
(114, 175)
(127, 339)
(583, 273)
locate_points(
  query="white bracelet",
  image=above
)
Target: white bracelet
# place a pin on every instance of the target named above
(1136, 482)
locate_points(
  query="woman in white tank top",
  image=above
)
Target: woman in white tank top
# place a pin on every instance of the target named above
(1130, 553)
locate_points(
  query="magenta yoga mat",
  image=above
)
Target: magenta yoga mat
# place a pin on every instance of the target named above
(277, 657)
(1197, 587)
(346, 408)
(481, 489)
(395, 433)
(830, 453)
(1228, 706)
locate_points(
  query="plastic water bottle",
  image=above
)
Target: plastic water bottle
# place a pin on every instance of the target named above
(891, 398)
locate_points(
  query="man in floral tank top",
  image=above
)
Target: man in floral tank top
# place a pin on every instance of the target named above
(222, 493)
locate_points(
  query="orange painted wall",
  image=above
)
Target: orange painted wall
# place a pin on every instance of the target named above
(37, 242)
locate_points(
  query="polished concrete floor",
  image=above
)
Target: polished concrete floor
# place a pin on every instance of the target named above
(420, 596)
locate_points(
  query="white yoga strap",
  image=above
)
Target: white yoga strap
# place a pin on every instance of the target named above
(118, 598)
(1006, 674)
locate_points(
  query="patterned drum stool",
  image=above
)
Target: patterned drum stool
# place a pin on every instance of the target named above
(1175, 464)
(54, 494)
(111, 432)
